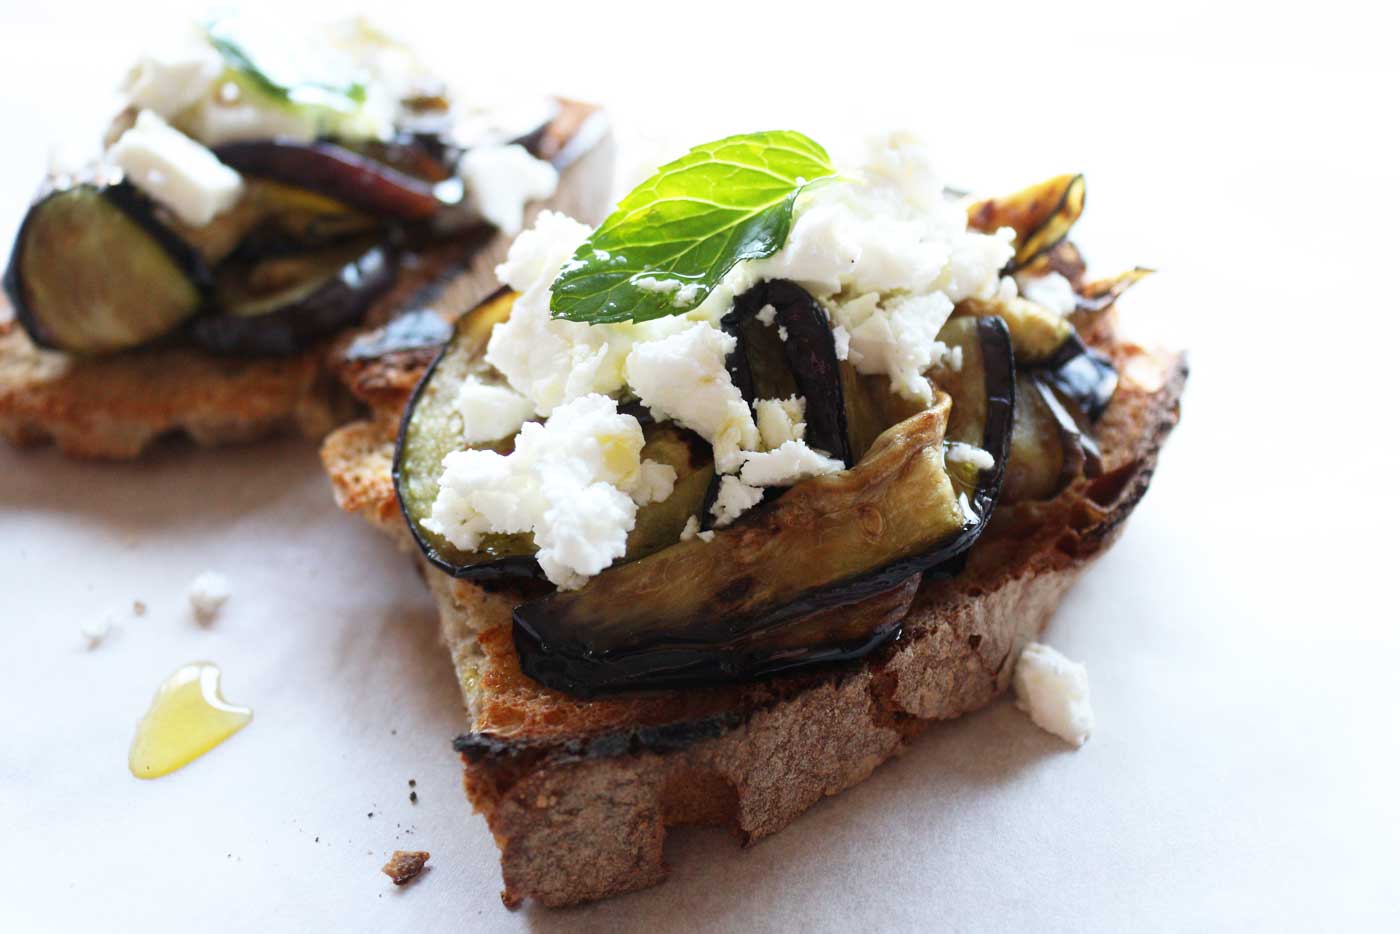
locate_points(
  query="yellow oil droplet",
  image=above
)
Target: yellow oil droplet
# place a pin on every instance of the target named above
(188, 717)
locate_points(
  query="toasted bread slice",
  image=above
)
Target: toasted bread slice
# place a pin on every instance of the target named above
(114, 407)
(579, 794)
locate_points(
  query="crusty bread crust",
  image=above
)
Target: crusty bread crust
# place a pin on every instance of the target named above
(114, 407)
(579, 794)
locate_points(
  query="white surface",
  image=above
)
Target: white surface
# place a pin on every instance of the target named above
(1241, 637)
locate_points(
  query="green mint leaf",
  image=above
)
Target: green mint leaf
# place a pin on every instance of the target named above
(672, 240)
(278, 69)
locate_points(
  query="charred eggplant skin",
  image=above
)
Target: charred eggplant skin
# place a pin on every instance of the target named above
(840, 621)
(338, 302)
(133, 207)
(810, 350)
(1082, 375)
(338, 173)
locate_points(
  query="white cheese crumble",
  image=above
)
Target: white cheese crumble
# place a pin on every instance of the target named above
(503, 179)
(766, 315)
(683, 377)
(574, 482)
(959, 453)
(1055, 692)
(787, 464)
(169, 81)
(735, 497)
(684, 293)
(176, 171)
(842, 339)
(207, 595)
(95, 630)
(1052, 291)
(692, 531)
(780, 420)
(490, 413)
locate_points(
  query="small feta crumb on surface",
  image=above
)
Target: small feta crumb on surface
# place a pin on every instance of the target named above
(735, 497)
(503, 179)
(176, 171)
(208, 593)
(490, 413)
(780, 420)
(692, 528)
(706, 536)
(1052, 291)
(959, 453)
(786, 464)
(766, 315)
(96, 629)
(1054, 691)
(952, 359)
(842, 337)
(782, 333)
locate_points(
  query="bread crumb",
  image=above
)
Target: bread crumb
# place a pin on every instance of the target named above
(208, 593)
(405, 865)
(95, 630)
(138, 607)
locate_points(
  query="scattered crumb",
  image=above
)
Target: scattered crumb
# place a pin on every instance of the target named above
(405, 865)
(413, 797)
(208, 593)
(370, 814)
(138, 607)
(412, 783)
(95, 630)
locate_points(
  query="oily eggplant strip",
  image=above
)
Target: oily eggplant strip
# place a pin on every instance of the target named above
(262, 313)
(427, 435)
(810, 352)
(1082, 375)
(753, 602)
(337, 173)
(1099, 295)
(94, 271)
(1041, 215)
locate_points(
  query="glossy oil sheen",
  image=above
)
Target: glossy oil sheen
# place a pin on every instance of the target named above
(188, 717)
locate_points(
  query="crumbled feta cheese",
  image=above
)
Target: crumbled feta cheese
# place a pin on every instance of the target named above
(1052, 291)
(95, 630)
(735, 497)
(490, 413)
(706, 536)
(766, 315)
(168, 82)
(897, 337)
(684, 292)
(207, 594)
(1055, 692)
(683, 377)
(692, 528)
(574, 482)
(959, 453)
(782, 333)
(780, 420)
(219, 117)
(502, 179)
(175, 170)
(842, 338)
(790, 462)
(952, 359)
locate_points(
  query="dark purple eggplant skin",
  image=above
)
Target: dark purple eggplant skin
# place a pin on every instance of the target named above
(568, 661)
(810, 351)
(140, 210)
(338, 173)
(341, 302)
(1082, 375)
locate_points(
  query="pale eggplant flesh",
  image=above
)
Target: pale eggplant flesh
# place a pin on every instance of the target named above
(94, 271)
(825, 573)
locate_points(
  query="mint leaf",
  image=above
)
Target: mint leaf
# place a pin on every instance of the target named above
(278, 69)
(671, 241)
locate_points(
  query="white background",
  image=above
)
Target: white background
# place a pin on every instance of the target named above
(1241, 638)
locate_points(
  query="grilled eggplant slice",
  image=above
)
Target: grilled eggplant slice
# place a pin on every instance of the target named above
(93, 271)
(280, 306)
(1041, 215)
(1081, 375)
(430, 432)
(338, 173)
(824, 574)
(1098, 295)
